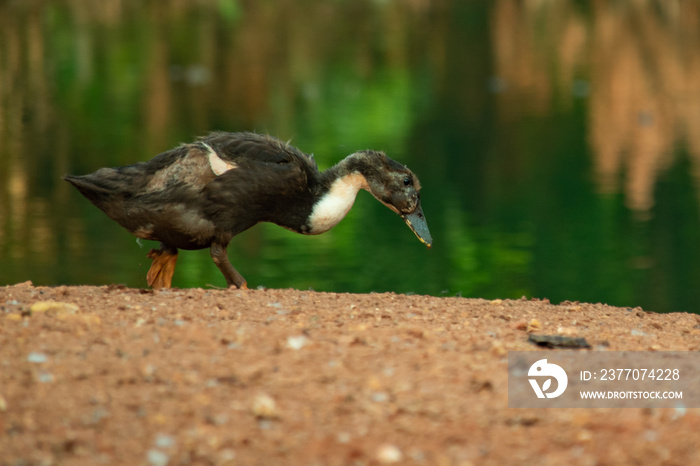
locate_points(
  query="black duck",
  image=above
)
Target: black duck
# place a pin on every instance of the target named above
(200, 195)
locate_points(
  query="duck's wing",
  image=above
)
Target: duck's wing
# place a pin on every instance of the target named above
(264, 179)
(257, 147)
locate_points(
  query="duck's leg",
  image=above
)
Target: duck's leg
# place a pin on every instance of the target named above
(233, 278)
(160, 275)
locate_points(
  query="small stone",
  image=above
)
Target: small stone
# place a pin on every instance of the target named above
(157, 458)
(53, 307)
(3, 404)
(558, 341)
(388, 454)
(264, 406)
(148, 370)
(533, 326)
(496, 302)
(227, 455)
(678, 411)
(14, 317)
(497, 349)
(37, 358)
(296, 343)
(164, 441)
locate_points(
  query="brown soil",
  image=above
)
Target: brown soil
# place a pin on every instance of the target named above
(110, 375)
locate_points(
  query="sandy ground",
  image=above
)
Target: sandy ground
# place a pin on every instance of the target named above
(111, 375)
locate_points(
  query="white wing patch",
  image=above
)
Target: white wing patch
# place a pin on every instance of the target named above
(217, 164)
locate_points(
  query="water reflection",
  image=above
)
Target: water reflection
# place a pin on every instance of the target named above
(558, 142)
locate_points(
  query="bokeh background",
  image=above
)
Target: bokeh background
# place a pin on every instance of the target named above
(558, 141)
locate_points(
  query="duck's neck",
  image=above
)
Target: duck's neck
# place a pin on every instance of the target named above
(331, 195)
(339, 187)
(336, 200)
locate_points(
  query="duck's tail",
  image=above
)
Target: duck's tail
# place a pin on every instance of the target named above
(90, 188)
(102, 188)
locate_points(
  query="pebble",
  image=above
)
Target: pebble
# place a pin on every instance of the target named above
(157, 457)
(533, 326)
(227, 455)
(388, 454)
(53, 307)
(678, 412)
(164, 441)
(264, 406)
(37, 358)
(497, 349)
(296, 343)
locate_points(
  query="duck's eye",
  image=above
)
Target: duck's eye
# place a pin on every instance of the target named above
(407, 181)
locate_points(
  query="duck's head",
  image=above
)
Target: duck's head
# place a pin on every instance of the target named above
(395, 186)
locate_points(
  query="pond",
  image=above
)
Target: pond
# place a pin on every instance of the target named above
(558, 143)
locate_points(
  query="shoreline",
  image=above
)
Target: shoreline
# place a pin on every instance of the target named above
(135, 376)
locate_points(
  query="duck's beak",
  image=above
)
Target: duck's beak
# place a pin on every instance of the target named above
(416, 222)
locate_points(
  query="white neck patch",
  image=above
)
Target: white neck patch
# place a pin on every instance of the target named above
(336, 203)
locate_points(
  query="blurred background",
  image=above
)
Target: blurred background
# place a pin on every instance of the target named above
(558, 142)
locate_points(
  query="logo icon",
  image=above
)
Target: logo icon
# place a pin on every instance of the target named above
(542, 368)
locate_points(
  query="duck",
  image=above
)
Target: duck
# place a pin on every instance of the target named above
(201, 194)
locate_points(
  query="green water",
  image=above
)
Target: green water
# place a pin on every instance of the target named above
(558, 144)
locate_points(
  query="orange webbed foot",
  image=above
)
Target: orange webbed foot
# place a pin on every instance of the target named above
(160, 275)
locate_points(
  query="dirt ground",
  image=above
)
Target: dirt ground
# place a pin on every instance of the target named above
(112, 375)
